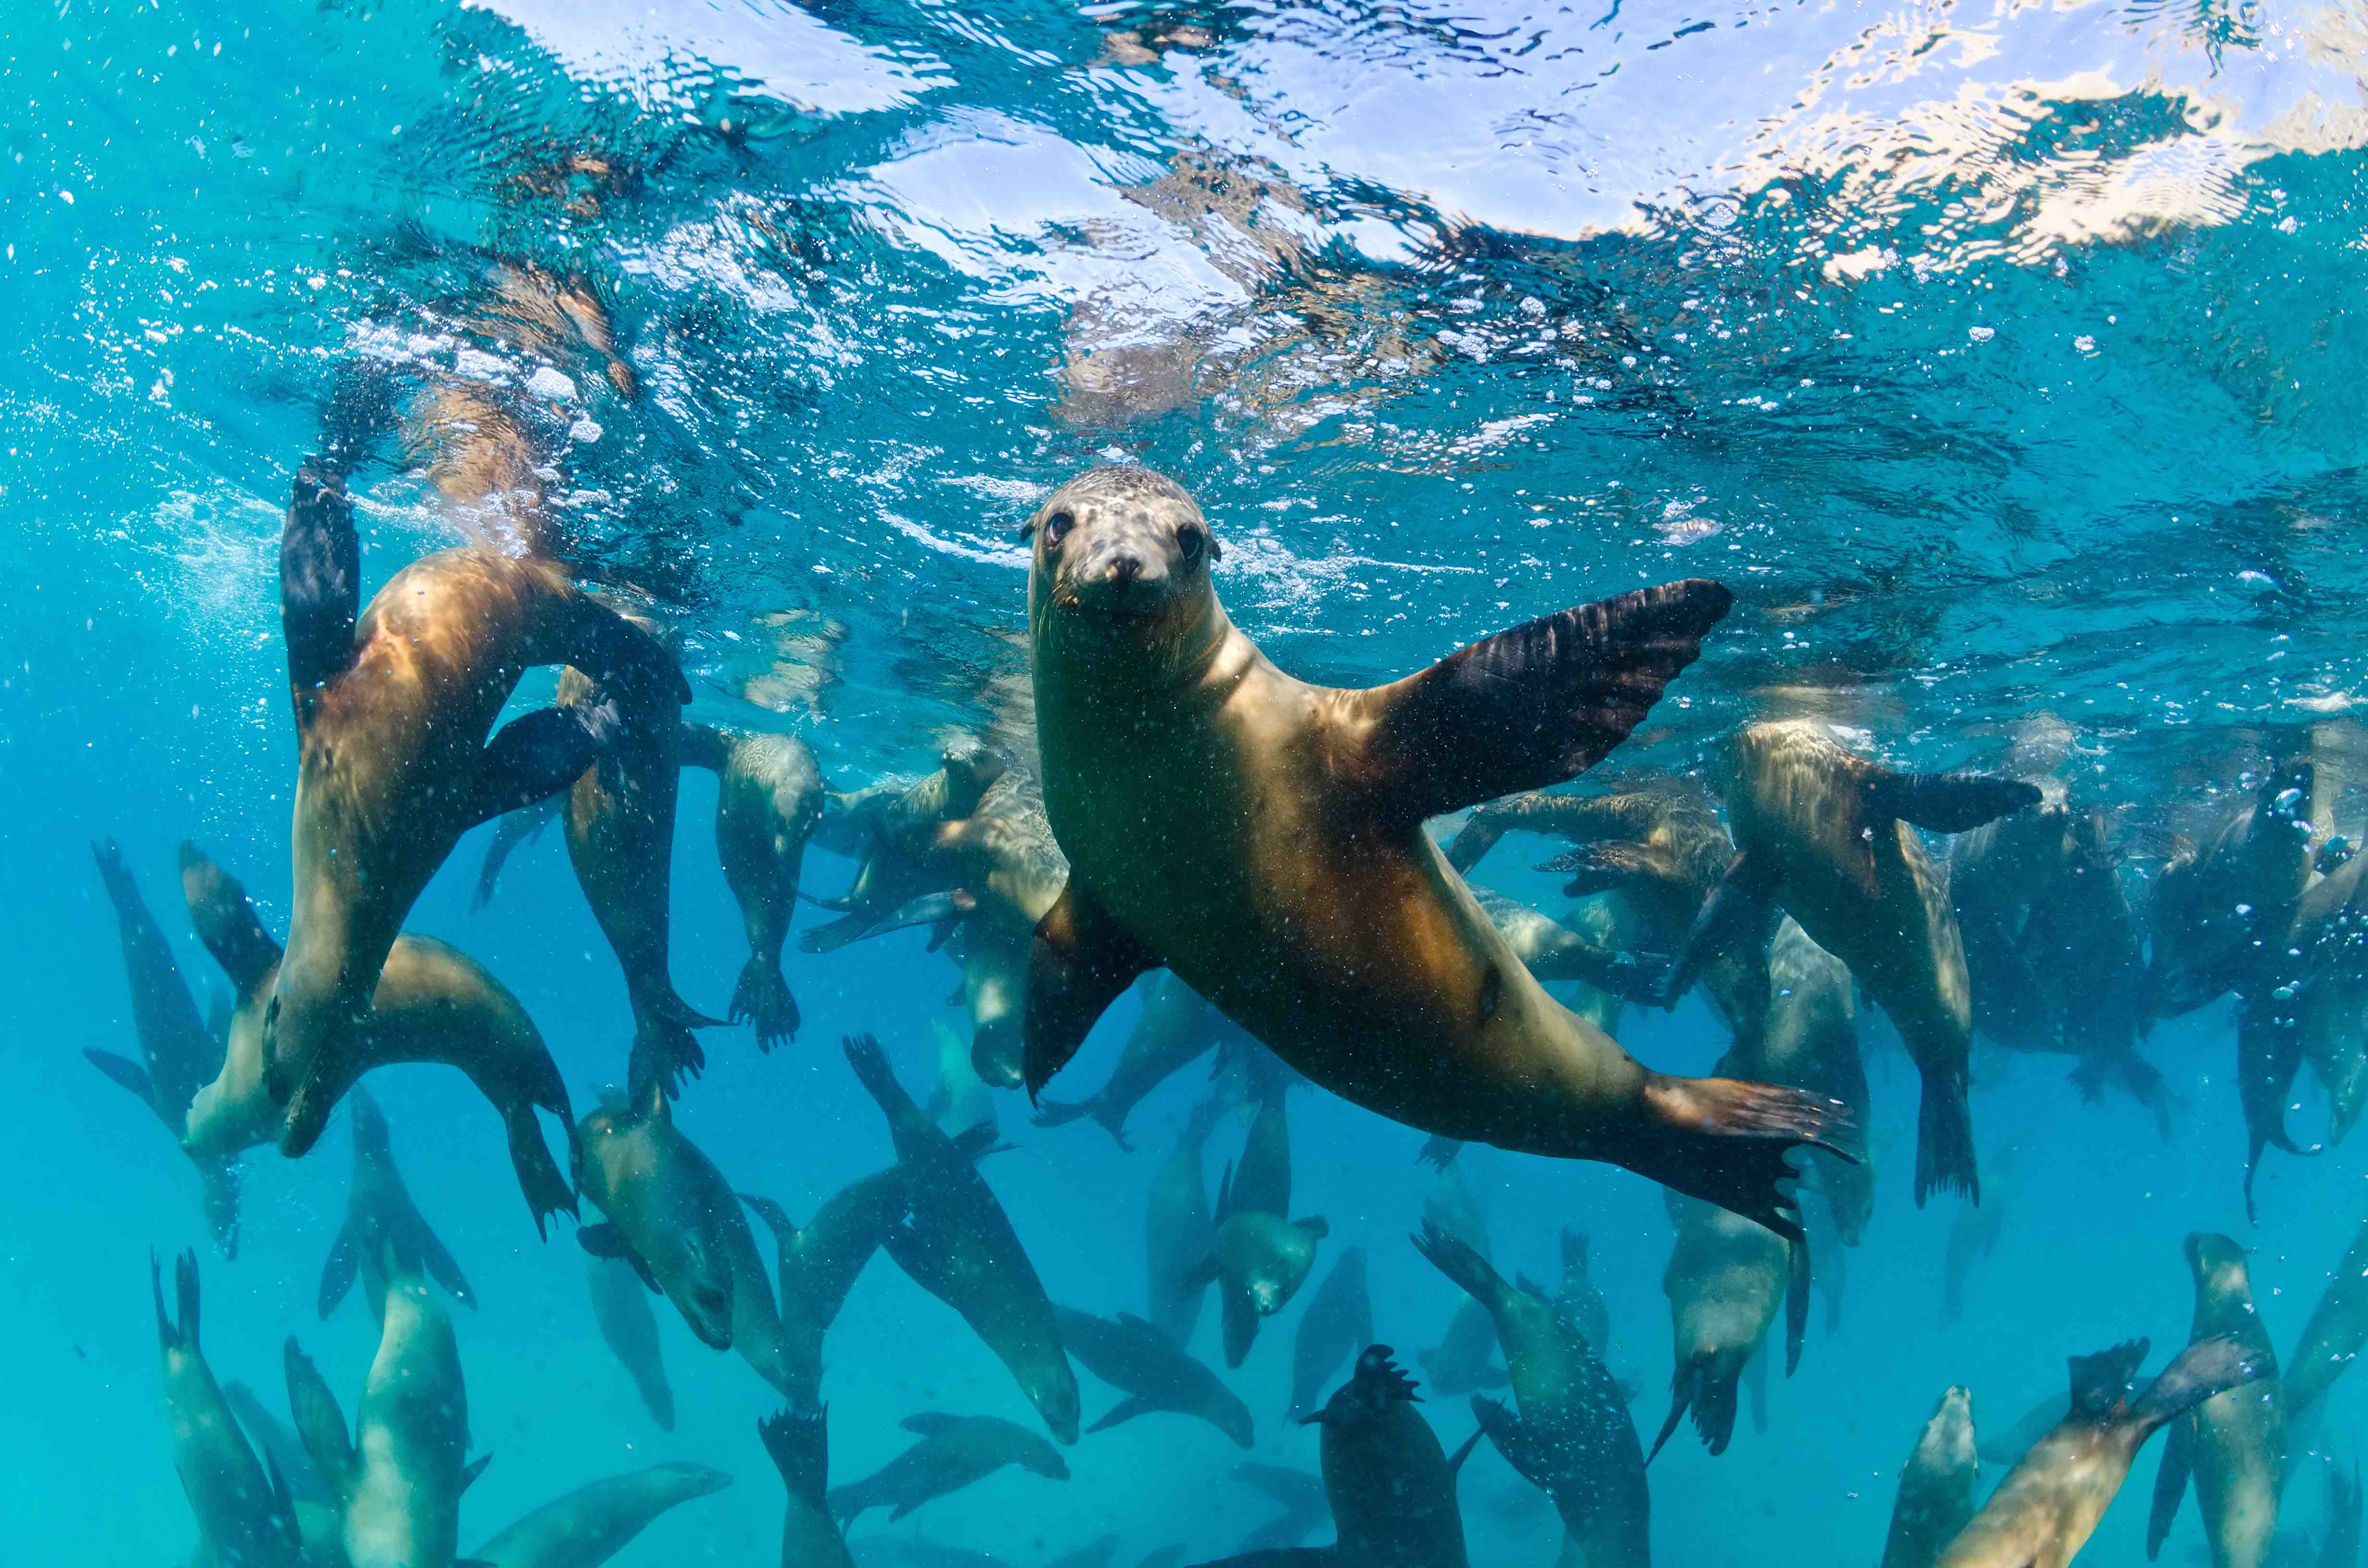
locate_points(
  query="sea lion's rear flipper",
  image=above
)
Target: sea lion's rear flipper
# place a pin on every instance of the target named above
(602, 1241)
(1944, 1139)
(1739, 904)
(1724, 1140)
(2268, 1054)
(226, 921)
(1081, 960)
(217, 1190)
(438, 1261)
(320, 1424)
(2205, 1368)
(1438, 1153)
(1755, 1383)
(1455, 1257)
(320, 580)
(1946, 802)
(1796, 1314)
(1527, 708)
(127, 1072)
(546, 1188)
(1124, 1411)
(537, 755)
(2171, 1485)
(798, 1442)
(1681, 1399)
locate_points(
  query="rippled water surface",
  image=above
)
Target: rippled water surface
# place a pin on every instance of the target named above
(2003, 358)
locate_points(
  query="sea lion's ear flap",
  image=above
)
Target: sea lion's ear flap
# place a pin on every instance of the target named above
(1946, 802)
(1530, 707)
(1081, 960)
(320, 581)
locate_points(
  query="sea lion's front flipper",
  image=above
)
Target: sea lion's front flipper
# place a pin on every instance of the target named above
(1946, 802)
(1520, 1445)
(226, 921)
(1740, 904)
(1526, 707)
(1724, 1141)
(469, 1474)
(320, 581)
(602, 1241)
(1081, 960)
(1125, 1410)
(2169, 1484)
(319, 1423)
(126, 1072)
(537, 755)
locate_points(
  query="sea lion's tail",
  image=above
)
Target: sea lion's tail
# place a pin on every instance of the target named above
(1944, 1140)
(762, 999)
(1724, 1140)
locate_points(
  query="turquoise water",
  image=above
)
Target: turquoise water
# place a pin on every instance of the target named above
(2000, 358)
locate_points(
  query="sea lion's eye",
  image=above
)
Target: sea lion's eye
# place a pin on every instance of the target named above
(1056, 529)
(1192, 542)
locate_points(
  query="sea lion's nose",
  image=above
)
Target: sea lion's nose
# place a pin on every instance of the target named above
(1125, 569)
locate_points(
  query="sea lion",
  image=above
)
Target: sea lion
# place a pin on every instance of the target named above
(1936, 1486)
(819, 1262)
(1300, 1497)
(768, 796)
(399, 1476)
(1579, 1298)
(1464, 1360)
(671, 1215)
(1392, 1486)
(1290, 881)
(1574, 1438)
(2233, 1443)
(2296, 1000)
(1177, 1028)
(2049, 1506)
(594, 1523)
(377, 1203)
(1825, 835)
(245, 1511)
(432, 1004)
(2337, 1330)
(959, 1099)
(1003, 856)
(2341, 1549)
(1727, 1280)
(1338, 1323)
(1553, 952)
(954, 1451)
(1973, 1236)
(2209, 908)
(894, 829)
(1810, 1041)
(1258, 1258)
(179, 1055)
(1152, 1371)
(512, 832)
(798, 1445)
(957, 1244)
(620, 1307)
(279, 1447)
(1177, 1230)
(393, 707)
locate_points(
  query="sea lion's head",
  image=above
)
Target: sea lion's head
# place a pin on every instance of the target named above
(1122, 556)
(2219, 1267)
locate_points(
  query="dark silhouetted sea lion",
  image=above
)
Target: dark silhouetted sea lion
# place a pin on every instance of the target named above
(377, 1204)
(512, 832)
(1336, 1323)
(1727, 1280)
(2336, 1332)
(1177, 1028)
(768, 796)
(2049, 1506)
(392, 708)
(1825, 835)
(1298, 1494)
(620, 1306)
(1263, 838)
(2234, 1444)
(957, 1244)
(677, 1220)
(432, 1004)
(179, 1055)
(1152, 1371)
(798, 1445)
(954, 1451)
(820, 1261)
(593, 1523)
(1392, 1486)
(1936, 1486)
(1179, 1232)
(2211, 906)
(2296, 1000)
(246, 1514)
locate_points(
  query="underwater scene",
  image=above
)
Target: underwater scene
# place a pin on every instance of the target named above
(1377, 783)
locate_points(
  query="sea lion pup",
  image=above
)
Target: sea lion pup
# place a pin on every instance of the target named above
(1664, 849)
(820, 1262)
(768, 796)
(1177, 1230)
(1391, 1485)
(1936, 1486)
(2337, 1330)
(392, 708)
(1177, 1028)
(799, 1445)
(399, 1475)
(2209, 908)
(245, 1514)
(378, 1203)
(1825, 835)
(1810, 1041)
(432, 1004)
(2233, 1443)
(593, 1523)
(1338, 1322)
(671, 1215)
(1152, 1371)
(893, 830)
(957, 1244)
(179, 1055)
(1727, 1280)
(1291, 882)
(620, 1307)
(954, 1451)
(2049, 1506)
(1574, 1438)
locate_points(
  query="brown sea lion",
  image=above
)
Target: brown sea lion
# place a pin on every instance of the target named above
(954, 1451)
(179, 1053)
(820, 1261)
(1177, 1230)
(893, 830)
(2233, 1443)
(768, 796)
(1263, 838)
(2335, 1334)
(378, 1202)
(392, 708)
(1727, 1280)
(1003, 856)
(2211, 905)
(245, 1513)
(798, 1445)
(1825, 835)
(1936, 1486)
(593, 1523)
(1391, 1484)
(433, 1003)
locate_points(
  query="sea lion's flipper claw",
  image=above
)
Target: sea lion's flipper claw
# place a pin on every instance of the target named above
(124, 1071)
(1529, 707)
(536, 755)
(2170, 1486)
(1738, 904)
(320, 580)
(1947, 803)
(1081, 960)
